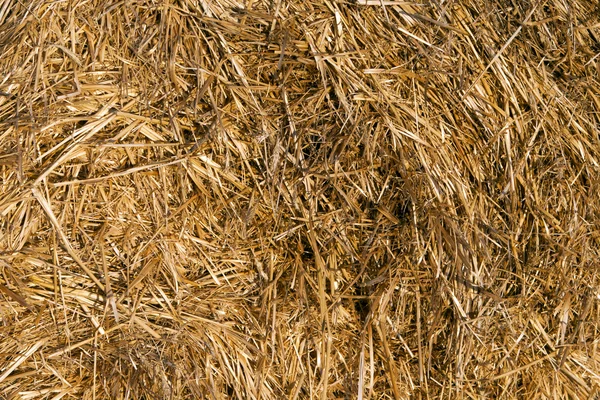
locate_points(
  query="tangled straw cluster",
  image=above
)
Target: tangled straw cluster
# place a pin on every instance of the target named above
(295, 199)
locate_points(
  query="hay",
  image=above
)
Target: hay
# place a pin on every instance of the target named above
(294, 200)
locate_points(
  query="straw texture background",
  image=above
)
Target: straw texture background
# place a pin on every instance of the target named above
(277, 199)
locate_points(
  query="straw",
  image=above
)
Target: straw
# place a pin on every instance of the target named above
(299, 200)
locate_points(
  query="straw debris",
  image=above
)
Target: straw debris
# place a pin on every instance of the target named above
(294, 200)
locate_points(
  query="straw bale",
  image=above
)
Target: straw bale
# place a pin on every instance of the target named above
(292, 200)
